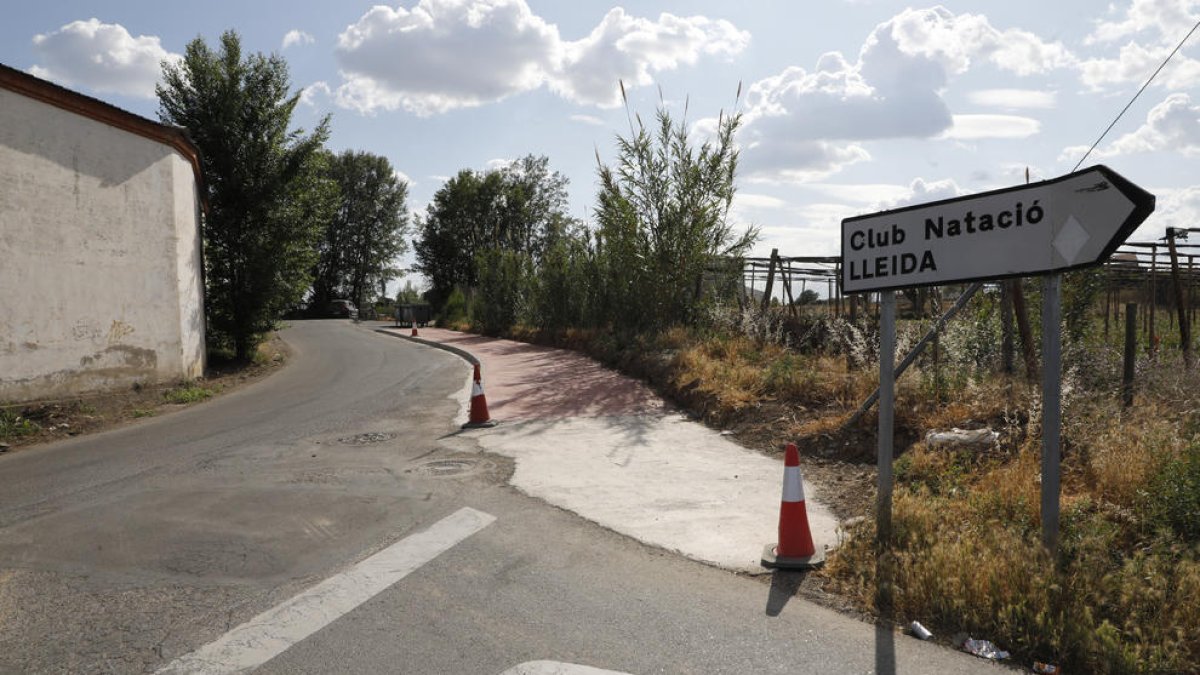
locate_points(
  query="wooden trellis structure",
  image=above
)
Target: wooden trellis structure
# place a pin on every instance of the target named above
(1158, 275)
(788, 277)
(792, 275)
(1161, 275)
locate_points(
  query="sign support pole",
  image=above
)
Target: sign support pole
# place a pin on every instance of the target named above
(887, 408)
(1051, 407)
(916, 350)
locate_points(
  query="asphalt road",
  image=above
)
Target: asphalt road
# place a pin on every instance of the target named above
(125, 551)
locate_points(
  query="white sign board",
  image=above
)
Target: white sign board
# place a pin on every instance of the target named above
(1064, 223)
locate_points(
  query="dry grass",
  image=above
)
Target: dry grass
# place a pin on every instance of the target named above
(965, 554)
(735, 373)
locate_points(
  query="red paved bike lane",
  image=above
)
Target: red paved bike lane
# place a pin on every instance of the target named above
(524, 381)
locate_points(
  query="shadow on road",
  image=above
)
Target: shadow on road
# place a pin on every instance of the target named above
(885, 584)
(784, 585)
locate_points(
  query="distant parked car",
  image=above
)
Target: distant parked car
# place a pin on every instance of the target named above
(341, 309)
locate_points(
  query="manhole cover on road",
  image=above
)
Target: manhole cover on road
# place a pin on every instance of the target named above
(367, 439)
(440, 468)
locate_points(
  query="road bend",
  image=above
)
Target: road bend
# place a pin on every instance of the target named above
(330, 519)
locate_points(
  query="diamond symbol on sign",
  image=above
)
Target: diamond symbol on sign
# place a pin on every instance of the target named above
(1070, 240)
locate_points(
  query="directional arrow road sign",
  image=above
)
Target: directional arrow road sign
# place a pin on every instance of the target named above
(1073, 221)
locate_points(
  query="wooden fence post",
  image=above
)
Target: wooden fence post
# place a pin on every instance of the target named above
(1185, 330)
(1022, 312)
(766, 303)
(1130, 353)
(1153, 297)
(1006, 329)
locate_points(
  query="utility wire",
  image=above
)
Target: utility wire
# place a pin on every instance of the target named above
(1139, 93)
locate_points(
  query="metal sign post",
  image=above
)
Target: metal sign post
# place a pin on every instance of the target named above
(1051, 407)
(887, 409)
(1070, 222)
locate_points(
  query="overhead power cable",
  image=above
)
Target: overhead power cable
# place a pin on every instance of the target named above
(1139, 93)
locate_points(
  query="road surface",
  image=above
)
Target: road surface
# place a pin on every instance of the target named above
(330, 519)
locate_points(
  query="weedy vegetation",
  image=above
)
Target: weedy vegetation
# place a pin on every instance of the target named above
(13, 426)
(190, 393)
(653, 287)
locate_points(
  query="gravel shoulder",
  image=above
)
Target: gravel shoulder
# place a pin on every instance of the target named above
(28, 424)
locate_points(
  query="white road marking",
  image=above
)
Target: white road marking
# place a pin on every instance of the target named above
(271, 633)
(556, 668)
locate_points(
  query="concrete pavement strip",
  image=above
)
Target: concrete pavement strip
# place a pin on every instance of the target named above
(602, 445)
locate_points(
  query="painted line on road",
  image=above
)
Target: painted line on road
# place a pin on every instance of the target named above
(557, 668)
(271, 633)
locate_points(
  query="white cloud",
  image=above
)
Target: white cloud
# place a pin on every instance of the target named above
(750, 208)
(815, 228)
(588, 119)
(297, 37)
(1012, 98)
(817, 235)
(101, 56)
(1175, 207)
(630, 49)
(403, 177)
(785, 161)
(974, 127)
(1015, 173)
(954, 40)
(921, 191)
(443, 54)
(1171, 125)
(447, 54)
(748, 201)
(1165, 17)
(314, 92)
(498, 164)
(1135, 63)
(871, 194)
(893, 90)
(1152, 29)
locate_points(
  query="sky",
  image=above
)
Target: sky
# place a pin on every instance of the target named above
(848, 106)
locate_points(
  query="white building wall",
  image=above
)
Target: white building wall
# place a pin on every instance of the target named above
(189, 277)
(100, 281)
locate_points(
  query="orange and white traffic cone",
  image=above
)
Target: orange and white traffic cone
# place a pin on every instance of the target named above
(414, 331)
(479, 412)
(795, 548)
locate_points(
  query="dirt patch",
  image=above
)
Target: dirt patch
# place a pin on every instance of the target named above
(35, 422)
(839, 462)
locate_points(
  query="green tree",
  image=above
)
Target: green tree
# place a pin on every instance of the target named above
(807, 297)
(504, 290)
(366, 233)
(408, 295)
(267, 198)
(566, 284)
(662, 215)
(452, 231)
(520, 208)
